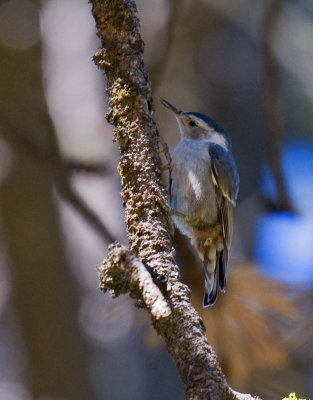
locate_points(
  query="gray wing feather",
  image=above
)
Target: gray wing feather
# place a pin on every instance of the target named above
(225, 178)
(225, 172)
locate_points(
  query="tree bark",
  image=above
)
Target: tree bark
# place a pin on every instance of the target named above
(147, 214)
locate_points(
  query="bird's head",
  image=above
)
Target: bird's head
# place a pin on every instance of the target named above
(193, 125)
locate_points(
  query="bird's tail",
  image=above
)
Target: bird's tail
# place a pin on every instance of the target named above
(222, 264)
(214, 277)
(214, 257)
(210, 291)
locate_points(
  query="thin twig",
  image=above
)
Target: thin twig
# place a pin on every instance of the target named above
(69, 195)
(86, 167)
(51, 159)
(60, 169)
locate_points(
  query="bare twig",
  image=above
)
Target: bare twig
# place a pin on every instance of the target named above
(60, 170)
(73, 198)
(52, 160)
(86, 167)
(271, 104)
(148, 221)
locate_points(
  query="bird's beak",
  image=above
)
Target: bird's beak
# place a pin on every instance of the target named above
(168, 105)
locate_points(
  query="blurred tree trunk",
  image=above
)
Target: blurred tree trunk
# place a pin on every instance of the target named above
(43, 290)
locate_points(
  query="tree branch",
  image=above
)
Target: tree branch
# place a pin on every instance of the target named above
(78, 166)
(122, 272)
(69, 195)
(158, 68)
(147, 216)
(271, 105)
(60, 170)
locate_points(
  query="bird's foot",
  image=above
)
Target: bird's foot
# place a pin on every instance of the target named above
(166, 167)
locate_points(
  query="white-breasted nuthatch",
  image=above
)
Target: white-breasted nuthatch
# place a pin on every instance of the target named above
(204, 184)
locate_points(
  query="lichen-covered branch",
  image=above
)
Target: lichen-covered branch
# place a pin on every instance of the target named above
(145, 202)
(122, 272)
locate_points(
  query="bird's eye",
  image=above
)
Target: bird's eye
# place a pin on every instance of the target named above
(192, 123)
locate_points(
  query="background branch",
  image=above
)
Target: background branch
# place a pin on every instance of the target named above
(273, 126)
(74, 199)
(157, 69)
(129, 91)
(60, 170)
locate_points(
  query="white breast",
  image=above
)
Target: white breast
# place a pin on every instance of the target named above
(192, 190)
(195, 184)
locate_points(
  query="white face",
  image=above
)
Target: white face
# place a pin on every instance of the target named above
(195, 128)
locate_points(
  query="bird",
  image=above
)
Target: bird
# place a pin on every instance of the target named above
(203, 190)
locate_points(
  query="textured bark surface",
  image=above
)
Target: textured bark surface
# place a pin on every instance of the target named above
(147, 216)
